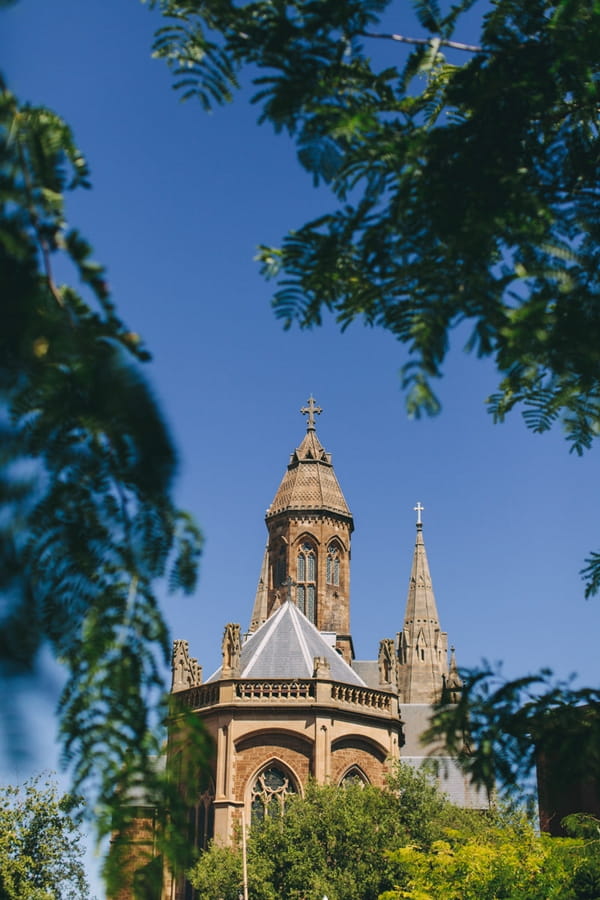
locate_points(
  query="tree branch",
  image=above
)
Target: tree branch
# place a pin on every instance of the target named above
(441, 42)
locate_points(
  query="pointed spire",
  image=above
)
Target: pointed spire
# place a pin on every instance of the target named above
(453, 682)
(423, 647)
(261, 598)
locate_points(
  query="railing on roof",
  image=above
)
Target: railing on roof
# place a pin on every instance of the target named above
(275, 689)
(361, 696)
(283, 690)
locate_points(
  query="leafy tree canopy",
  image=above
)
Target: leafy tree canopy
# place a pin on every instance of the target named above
(41, 857)
(408, 841)
(464, 180)
(501, 727)
(506, 859)
(333, 841)
(466, 188)
(87, 522)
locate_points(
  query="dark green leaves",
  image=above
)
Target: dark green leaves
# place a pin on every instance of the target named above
(319, 847)
(500, 727)
(87, 523)
(462, 190)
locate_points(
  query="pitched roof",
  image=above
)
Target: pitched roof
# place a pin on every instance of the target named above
(285, 646)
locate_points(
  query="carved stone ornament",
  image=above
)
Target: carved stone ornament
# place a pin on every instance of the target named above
(387, 663)
(231, 649)
(185, 671)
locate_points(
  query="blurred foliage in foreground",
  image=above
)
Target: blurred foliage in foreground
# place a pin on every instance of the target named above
(87, 524)
(464, 179)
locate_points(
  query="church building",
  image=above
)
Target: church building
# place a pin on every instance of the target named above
(291, 701)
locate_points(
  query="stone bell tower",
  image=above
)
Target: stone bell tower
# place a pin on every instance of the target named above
(307, 558)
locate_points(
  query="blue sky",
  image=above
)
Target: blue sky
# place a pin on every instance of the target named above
(180, 201)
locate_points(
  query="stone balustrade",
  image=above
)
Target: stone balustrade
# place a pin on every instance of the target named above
(282, 690)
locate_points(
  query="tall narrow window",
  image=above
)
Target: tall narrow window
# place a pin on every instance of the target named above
(333, 564)
(306, 581)
(280, 566)
(310, 603)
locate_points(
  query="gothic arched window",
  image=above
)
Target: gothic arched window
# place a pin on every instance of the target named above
(354, 775)
(270, 792)
(306, 580)
(333, 564)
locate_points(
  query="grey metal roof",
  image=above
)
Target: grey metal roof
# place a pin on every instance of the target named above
(368, 669)
(285, 647)
(452, 782)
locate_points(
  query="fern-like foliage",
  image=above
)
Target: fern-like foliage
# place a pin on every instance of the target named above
(500, 728)
(87, 523)
(462, 190)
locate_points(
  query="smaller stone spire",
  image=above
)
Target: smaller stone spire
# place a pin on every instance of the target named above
(453, 683)
(185, 671)
(260, 610)
(422, 645)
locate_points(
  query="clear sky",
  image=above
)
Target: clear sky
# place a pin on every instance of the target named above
(180, 201)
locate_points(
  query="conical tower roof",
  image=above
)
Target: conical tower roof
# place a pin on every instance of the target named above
(310, 482)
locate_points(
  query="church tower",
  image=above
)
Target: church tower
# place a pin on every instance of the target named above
(307, 559)
(422, 645)
(290, 702)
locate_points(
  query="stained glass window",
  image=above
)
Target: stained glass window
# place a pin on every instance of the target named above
(270, 792)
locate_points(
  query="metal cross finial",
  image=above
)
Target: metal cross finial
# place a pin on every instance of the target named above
(311, 411)
(419, 509)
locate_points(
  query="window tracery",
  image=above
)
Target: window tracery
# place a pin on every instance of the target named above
(270, 792)
(333, 564)
(354, 775)
(306, 577)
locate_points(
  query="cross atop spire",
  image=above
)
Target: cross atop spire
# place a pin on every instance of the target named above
(311, 411)
(419, 509)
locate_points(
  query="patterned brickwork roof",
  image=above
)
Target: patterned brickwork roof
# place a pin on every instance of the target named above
(310, 481)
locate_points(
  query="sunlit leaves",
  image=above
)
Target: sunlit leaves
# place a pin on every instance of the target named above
(508, 859)
(41, 853)
(332, 841)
